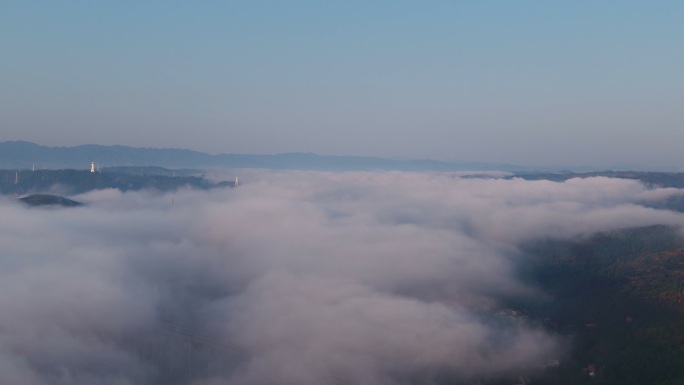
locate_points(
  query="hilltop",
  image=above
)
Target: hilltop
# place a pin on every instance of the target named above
(49, 200)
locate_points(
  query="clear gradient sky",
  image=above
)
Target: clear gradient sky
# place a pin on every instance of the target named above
(597, 83)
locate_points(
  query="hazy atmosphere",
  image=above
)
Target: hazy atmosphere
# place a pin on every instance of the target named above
(346, 192)
(296, 278)
(532, 83)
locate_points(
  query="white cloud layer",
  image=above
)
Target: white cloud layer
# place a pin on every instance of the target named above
(293, 278)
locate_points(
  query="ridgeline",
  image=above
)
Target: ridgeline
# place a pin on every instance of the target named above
(69, 182)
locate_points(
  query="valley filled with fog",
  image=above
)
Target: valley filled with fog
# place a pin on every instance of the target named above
(295, 277)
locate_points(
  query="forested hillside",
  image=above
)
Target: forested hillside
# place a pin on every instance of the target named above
(619, 296)
(79, 181)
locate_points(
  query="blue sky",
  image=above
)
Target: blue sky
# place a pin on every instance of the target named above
(525, 82)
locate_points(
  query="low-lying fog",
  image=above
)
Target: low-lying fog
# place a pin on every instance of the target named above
(300, 278)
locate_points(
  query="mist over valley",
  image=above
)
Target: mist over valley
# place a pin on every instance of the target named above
(338, 193)
(305, 277)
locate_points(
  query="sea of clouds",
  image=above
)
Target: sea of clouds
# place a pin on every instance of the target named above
(293, 278)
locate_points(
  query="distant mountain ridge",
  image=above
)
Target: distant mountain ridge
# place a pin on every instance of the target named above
(21, 154)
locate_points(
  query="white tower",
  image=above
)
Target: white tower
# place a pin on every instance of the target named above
(236, 181)
(92, 166)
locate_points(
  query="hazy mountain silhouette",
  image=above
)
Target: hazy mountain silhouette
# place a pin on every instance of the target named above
(21, 154)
